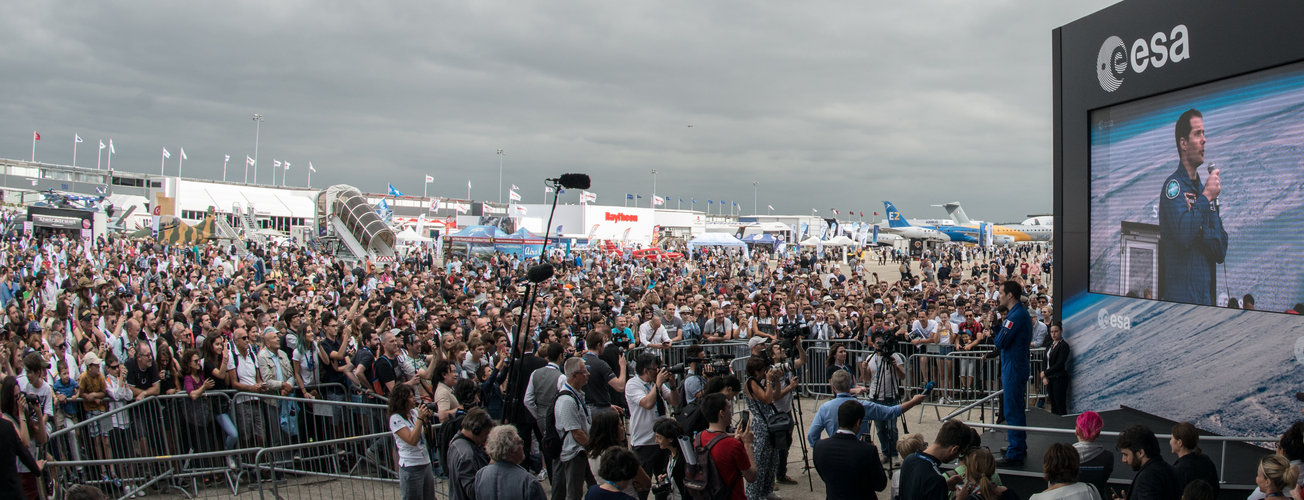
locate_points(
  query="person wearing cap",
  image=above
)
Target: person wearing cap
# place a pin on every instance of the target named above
(692, 329)
(32, 382)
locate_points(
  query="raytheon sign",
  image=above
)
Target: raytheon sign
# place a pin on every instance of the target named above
(1116, 57)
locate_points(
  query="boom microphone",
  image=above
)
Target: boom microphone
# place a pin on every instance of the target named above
(540, 273)
(573, 181)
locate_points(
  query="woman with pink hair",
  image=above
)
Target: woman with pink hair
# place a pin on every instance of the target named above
(1097, 462)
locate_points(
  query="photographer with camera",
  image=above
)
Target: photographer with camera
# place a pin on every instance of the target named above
(599, 393)
(784, 403)
(886, 369)
(647, 396)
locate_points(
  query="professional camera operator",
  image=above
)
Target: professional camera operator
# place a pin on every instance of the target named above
(886, 368)
(694, 381)
(787, 383)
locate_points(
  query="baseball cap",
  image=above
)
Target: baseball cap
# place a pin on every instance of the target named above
(92, 359)
(755, 341)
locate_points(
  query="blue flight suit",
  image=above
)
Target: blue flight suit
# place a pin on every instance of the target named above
(1191, 241)
(1013, 341)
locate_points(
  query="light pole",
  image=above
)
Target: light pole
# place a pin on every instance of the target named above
(652, 203)
(500, 176)
(754, 188)
(258, 124)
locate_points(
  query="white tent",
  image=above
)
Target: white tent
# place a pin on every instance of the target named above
(716, 240)
(811, 242)
(841, 241)
(410, 236)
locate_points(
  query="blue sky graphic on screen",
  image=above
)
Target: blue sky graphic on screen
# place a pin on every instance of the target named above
(1255, 135)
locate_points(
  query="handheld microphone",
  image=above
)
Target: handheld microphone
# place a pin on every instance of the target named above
(1213, 165)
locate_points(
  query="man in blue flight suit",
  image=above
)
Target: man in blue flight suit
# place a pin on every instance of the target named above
(1012, 343)
(1191, 236)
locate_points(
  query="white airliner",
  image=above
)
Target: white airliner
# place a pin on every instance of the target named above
(1034, 229)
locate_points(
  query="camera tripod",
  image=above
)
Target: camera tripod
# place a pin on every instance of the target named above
(801, 424)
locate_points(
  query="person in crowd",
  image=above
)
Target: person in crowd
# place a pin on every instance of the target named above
(216, 359)
(1289, 445)
(826, 422)
(783, 404)
(839, 359)
(921, 475)
(1276, 477)
(572, 420)
(504, 478)
(606, 379)
(275, 374)
(1200, 490)
(1056, 374)
(1096, 463)
(621, 465)
(445, 397)
(466, 454)
(668, 433)
(608, 431)
(906, 446)
(649, 398)
(1191, 463)
(1060, 468)
(733, 454)
(15, 423)
(407, 422)
(977, 483)
(761, 391)
(849, 467)
(540, 394)
(1155, 479)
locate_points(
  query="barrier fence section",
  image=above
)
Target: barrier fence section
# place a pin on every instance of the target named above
(221, 442)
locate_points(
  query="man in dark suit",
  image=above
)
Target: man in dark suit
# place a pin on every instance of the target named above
(849, 467)
(1155, 479)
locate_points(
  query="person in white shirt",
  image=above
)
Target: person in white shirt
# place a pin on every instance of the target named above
(646, 405)
(407, 422)
(653, 335)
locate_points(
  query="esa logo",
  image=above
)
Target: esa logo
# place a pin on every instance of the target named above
(1115, 57)
(1113, 321)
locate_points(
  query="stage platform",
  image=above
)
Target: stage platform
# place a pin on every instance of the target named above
(1241, 459)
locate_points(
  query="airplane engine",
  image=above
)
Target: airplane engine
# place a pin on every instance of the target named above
(1004, 239)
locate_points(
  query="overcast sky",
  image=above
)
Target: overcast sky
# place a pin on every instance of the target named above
(824, 104)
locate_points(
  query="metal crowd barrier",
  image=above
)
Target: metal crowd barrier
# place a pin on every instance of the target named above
(320, 470)
(210, 446)
(678, 351)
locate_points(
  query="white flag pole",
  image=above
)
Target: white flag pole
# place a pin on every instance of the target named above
(99, 154)
(110, 165)
(34, 136)
(162, 156)
(74, 150)
(180, 161)
(224, 162)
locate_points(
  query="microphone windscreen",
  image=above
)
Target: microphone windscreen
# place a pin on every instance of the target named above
(575, 181)
(539, 273)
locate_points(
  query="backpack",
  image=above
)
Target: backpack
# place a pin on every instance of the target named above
(690, 416)
(550, 442)
(702, 480)
(446, 433)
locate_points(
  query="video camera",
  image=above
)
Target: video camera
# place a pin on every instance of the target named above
(712, 365)
(789, 335)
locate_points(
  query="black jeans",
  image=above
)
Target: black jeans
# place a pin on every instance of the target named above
(653, 460)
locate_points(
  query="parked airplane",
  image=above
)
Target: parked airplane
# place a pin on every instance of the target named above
(1003, 234)
(898, 225)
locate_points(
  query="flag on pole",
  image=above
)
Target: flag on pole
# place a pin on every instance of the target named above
(111, 150)
(430, 179)
(310, 167)
(710, 202)
(694, 201)
(468, 183)
(518, 210)
(657, 200)
(770, 206)
(76, 138)
(513, 195)
(276, 163)
(561, 191)
(462, 207)
(166, 154)
(484, 208)
(287, 167)
(434, 204)
(514, 188)
(248, 160)
(547, 189)
(102, 146)
(394, 192)
(588, 197)
(639, 196)
(228, 158)
(100, 189)
(183, 154)
(36, 136)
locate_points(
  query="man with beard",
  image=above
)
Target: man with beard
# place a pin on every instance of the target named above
(1155, 479)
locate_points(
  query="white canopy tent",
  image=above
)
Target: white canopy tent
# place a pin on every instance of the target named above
(811, 242)
(716, 240)
(841, 241)
(410, 236)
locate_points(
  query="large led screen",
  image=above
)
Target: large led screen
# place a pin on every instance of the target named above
(1197, 195)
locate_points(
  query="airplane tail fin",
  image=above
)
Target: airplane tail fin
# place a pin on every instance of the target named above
(957, 213)
(894, 217)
